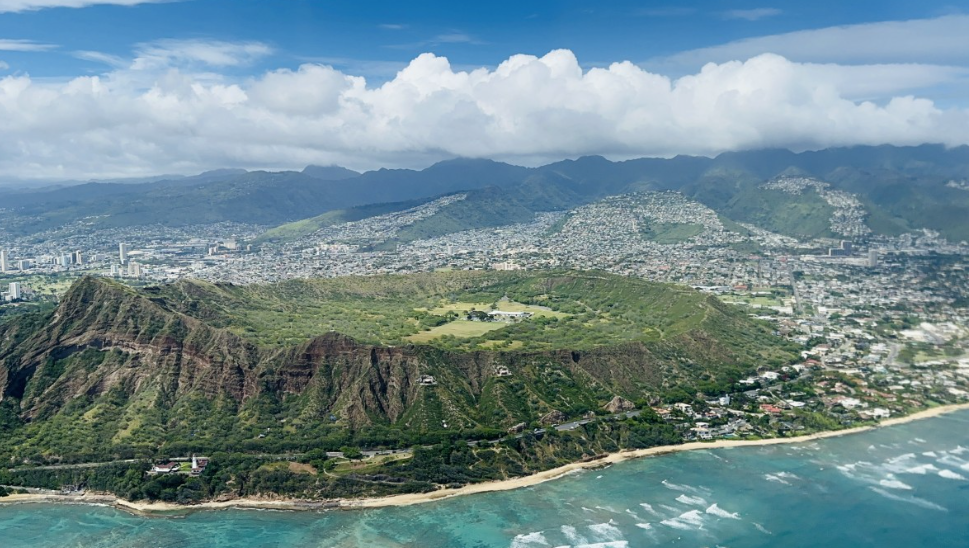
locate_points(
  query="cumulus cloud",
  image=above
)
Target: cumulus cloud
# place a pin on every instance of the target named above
(526, 110)
(8, 6)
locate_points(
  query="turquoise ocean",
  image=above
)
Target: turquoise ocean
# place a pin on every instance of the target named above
(904, 486)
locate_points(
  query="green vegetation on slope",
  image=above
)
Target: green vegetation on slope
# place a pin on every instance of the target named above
(738, 196)
(293, 231)
(119, 373)
(671, 233)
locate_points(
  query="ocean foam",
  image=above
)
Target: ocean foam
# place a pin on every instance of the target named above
(695, 501)
(776, 478)
(529, 539)
(893, 483)
(680, 488)
(921, 469)
(931, 454)
(762, 529)
(687, 521)
(949, 474)
(644, 526)
(911, 500)
(721, 513)
(606, 531)
(573, 536)
(612, 544)
(649, 508)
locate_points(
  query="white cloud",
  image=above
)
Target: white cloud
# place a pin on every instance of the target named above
(164, 53)
(24, 45)
(160, 117)
(752, 14)
(100, 57)
(8, 6)
(4, 65)
(942, 40)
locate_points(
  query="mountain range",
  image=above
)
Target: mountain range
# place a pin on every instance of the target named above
(901, 189)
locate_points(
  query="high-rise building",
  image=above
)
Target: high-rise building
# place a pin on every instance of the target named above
(872, 258)
(115, 270)
(14, 291)
(134, 270)
(24, 264)
(66, 260)
(123, 252)
(77, 258)
(4, 266)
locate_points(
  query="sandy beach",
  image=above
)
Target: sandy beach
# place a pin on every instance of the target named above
(162, 508)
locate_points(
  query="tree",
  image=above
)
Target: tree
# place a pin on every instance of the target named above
(352, 453)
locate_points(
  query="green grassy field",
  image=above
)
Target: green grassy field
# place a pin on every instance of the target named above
(502, 305)
(461, 329)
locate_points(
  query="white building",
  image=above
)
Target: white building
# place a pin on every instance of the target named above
(14, 291)
(123, 252)
(4, 263)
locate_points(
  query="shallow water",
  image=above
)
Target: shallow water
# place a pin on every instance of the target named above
(902, 486)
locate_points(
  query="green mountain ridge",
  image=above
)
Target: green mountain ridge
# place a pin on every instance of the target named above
(114, 372)
(903, 188)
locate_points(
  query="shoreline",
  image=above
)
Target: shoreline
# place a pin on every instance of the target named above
(164, 508)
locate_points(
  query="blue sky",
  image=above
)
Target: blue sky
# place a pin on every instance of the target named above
(132, 87)
(385, 35)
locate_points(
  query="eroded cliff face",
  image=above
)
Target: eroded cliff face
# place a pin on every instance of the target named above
(106, 338)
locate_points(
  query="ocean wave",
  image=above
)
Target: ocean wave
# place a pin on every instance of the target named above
(646, 526)
(680, 488)
(892, 483)
(953, 462)
(606, 531)
(720, 512)
(687, 521)
(762, 529)
(949, 474)
(776, 478)
(573, 536)
(911, 500)
(611, 544)
(529, 539)
(930, 454)
(695, 501)
(921, 469)
(649, 508)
